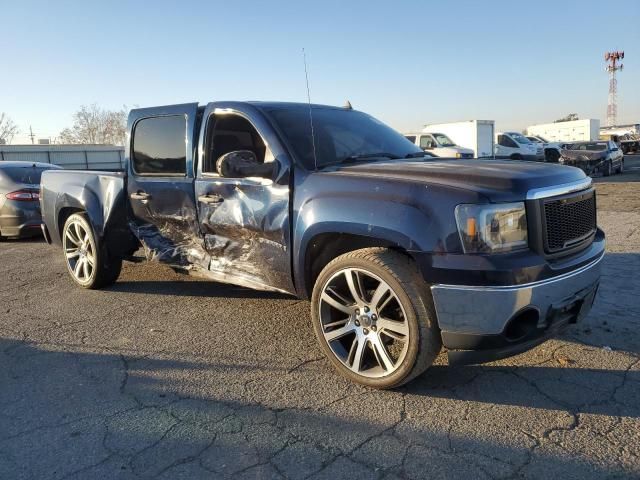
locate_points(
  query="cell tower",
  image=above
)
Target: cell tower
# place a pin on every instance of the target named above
(613, 65)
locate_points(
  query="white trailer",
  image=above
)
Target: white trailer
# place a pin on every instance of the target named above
(477, 135)
(587, 129)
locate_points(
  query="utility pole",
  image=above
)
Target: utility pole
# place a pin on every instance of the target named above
(31, 134)
(613, 65)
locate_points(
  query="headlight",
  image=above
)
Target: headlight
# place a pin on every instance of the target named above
(492, 228)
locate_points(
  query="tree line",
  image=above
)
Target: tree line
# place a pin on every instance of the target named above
(91, 125)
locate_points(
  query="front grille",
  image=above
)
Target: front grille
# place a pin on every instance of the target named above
(569, 221)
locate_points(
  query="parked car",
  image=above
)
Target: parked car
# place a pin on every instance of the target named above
(551, 149)
(439, 145)
(594, 157)
(475, 135)
(398, 254)
(515, 146)
(19, 198)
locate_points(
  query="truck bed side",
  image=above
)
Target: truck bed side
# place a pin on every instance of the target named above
(101, 195)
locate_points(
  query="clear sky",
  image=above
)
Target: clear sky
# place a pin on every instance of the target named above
(406, 62)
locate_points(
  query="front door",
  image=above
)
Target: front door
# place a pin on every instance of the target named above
(160, 182)
(244, 221)
(505, 147)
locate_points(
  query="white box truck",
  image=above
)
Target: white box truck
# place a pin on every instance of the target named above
(584, 130)
(476, 135)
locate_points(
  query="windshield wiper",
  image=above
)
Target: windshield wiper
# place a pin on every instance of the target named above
(363, 156)
(415, 155)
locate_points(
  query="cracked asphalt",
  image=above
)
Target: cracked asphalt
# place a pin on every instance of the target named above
(162, 376)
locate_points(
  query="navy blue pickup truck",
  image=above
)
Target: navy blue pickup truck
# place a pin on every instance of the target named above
(399, 254)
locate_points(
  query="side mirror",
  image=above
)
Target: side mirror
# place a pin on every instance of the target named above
(242, 164)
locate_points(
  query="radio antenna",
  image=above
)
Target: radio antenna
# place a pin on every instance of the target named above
(313, 136)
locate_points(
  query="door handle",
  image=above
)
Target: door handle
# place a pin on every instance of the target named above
(140, 195)
(210, 199)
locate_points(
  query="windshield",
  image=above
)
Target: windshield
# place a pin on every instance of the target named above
(340, 136)
(443, 140)
(521, 139)
(29, 175)
(543, 139)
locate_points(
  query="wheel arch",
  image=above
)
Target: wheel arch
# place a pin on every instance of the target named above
(323, 247)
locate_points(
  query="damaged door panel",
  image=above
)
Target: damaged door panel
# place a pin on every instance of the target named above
(244, 221)
(160, 183)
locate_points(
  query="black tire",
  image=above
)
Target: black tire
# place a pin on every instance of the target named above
(401, 274)
(104, 271)
(607, 169)
(553, 156)
(621, 167)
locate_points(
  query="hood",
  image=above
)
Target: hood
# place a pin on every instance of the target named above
(499, 181)
(584, 155)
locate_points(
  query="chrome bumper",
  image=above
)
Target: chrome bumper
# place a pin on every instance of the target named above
(480, 310)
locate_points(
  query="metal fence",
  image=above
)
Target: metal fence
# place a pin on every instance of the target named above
(71, 157)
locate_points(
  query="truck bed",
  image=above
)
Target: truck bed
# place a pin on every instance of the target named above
(102, 195)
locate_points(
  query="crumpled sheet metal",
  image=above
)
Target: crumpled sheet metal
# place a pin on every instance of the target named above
(243, 240)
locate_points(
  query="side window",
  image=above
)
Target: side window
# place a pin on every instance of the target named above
(231, 133)
(426, 142)
(159, 146)
(411, 138)
(506, 141)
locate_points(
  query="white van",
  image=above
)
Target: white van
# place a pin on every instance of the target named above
(515, 146)
(438, 144)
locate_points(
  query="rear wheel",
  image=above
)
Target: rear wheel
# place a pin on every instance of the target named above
(373, 318)
(86, 261)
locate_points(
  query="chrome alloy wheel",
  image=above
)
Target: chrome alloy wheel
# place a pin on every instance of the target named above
(364, 323)
(79, 251)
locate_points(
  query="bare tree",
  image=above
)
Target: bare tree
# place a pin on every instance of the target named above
(95, 125)
(8, 129)
(568, 118)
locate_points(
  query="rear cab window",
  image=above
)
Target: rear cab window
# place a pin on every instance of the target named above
(159, 146)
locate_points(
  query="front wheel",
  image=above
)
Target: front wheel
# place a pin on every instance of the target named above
(373, 317)
(608, 169)
(86, 262)
(621, 167)
(552, 156)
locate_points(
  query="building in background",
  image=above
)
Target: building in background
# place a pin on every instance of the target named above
(73, 157)
(572, 131)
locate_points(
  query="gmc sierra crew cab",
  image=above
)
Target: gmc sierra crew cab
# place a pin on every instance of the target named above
(399, 254)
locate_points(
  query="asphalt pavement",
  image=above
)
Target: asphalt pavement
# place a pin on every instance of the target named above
(163, 376)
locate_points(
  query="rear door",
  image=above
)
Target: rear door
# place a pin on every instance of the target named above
(160, 156)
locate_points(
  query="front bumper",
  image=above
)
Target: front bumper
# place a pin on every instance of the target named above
(480, 324)
(587, 166)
